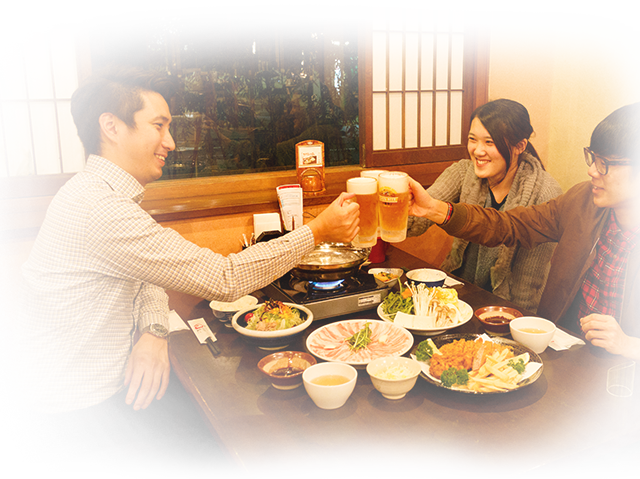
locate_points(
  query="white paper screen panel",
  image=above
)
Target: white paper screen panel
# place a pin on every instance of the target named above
(411, 120)
(395, 120)
(379, 121)
(379, 61)
(395, 61)
(45, 138)
(18, 146)
(442, 62)
(396, 17)
(412, 18)
(428, 17)
(457, 51)
(39, 85)
(11, 79)
(442, 118)
(426, 119)
(455, 121)
(417, 88)
(37, 134)
(63, 56)
(411, 61)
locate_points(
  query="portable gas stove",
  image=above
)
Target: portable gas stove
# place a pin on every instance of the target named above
(328, 299)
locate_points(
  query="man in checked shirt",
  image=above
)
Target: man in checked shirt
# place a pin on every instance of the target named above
(593, 286)
(99, 268)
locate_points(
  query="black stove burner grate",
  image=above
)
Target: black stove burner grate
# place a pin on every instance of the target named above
(302, 291)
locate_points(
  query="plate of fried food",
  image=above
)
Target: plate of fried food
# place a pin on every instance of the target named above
(425, 311)
(477, 364)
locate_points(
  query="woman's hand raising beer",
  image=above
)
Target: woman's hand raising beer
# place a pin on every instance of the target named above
(338, 223)
(423, 205)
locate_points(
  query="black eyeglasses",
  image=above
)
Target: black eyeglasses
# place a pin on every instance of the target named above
(602, 163)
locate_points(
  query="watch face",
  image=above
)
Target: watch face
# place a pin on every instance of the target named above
(158, 330)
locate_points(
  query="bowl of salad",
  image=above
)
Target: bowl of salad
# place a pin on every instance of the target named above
(272, 325)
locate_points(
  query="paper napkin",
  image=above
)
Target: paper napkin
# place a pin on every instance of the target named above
(175, 322)
(562, 340)
(450, 282)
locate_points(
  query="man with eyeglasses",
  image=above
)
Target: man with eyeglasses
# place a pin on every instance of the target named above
(594, 282)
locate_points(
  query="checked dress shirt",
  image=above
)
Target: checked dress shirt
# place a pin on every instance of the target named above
(98, 271)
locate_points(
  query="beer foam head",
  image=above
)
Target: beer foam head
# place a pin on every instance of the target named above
(362, 186)
(372, 173)
(397, 180)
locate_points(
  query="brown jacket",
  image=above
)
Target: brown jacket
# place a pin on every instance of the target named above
(571, 220)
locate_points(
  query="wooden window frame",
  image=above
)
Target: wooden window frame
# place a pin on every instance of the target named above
(434, 158)
(24, 200)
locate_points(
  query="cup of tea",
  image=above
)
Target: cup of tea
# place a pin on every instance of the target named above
(366, 191)
(393, 200)
(329, 385)
(533, 332)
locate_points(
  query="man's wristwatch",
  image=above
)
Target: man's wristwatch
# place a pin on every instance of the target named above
(158, 330)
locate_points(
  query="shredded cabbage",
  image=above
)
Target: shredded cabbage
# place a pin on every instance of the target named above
(273, 316)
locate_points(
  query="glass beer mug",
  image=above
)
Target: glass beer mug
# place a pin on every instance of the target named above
(393, 198)
(366, 190)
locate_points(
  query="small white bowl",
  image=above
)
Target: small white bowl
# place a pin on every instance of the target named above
(397, 272)
(224, 311)
(390, 385)
(429, 277)
(329, 396)
(532, 332)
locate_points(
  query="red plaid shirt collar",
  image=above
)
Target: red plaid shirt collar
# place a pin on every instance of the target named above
(603, 285)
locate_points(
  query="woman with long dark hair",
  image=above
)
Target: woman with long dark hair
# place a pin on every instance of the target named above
(504, 171)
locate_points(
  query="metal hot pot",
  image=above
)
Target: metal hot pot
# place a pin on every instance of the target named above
(331, 262)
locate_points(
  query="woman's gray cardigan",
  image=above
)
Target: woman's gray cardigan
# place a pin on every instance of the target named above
(517, 274)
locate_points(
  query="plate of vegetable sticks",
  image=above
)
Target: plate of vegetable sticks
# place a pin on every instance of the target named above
(405, 306)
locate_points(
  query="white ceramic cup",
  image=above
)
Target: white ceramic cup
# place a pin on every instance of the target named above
(428, 276)
(329, 397)
(532, 332)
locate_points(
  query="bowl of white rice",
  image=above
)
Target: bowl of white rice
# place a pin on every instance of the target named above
(224, 311)
(394, 376)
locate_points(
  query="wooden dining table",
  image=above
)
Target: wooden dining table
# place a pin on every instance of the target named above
(562, 420)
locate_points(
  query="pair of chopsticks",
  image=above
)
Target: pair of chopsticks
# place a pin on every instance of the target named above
(213, 347)
(204, 335)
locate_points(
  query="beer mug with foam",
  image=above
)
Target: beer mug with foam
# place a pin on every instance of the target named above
(366, 190)
(393, 199)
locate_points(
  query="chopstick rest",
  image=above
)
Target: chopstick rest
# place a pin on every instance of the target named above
(201, 329)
